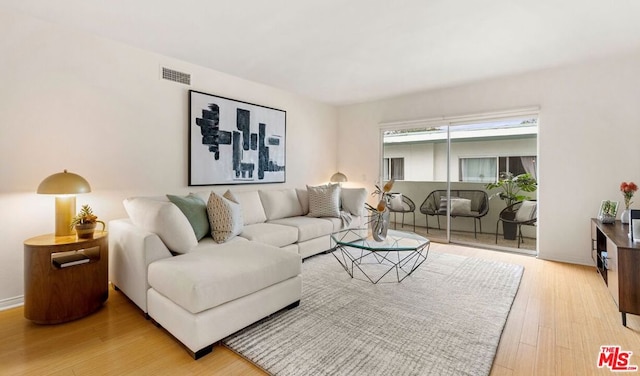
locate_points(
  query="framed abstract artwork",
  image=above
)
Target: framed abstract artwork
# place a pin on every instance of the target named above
(235, 142)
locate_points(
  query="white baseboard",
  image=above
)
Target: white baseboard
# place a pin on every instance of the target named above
(11, 302)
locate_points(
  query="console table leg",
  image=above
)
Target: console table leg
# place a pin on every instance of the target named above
(624, 318)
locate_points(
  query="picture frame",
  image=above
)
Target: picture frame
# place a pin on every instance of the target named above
(634, 225)
(235, 142)
(608, 211)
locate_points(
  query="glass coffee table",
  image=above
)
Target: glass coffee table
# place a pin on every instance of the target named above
(389, 261)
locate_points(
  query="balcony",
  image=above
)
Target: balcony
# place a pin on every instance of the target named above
(462, 230)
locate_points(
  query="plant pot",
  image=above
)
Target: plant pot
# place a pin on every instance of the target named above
(86, 230)
(509, 230)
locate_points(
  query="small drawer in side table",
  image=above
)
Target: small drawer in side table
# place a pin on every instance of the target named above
(64, 278)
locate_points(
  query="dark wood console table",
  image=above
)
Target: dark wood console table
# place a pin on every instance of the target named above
(617, 259)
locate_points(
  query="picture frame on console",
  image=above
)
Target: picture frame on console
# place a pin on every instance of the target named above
(235, 142)
(608, 211)
(634, 225)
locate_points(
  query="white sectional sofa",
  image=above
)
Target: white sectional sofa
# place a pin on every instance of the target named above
(201, 290)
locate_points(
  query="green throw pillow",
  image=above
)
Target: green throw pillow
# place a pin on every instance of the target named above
(196, 212)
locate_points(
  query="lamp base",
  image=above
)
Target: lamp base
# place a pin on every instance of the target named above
(65, 208)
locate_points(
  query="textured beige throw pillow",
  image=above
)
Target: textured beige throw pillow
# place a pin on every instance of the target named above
(225, 216)
(324, 201)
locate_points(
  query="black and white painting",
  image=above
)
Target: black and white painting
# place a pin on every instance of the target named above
(234, 142)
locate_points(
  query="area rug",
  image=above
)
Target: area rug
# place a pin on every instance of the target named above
(444, 319)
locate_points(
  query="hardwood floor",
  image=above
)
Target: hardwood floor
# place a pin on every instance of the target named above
(561, 316)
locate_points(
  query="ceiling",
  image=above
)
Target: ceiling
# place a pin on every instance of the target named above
(349, 51)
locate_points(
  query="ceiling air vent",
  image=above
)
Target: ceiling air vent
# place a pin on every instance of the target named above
(175, 76)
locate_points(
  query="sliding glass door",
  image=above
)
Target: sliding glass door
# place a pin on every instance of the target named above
(444, 168)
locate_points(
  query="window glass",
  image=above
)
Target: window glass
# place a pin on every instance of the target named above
(478, 170)
(393, 168)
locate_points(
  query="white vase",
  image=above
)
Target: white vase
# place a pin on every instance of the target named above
(624, 217)
(380, 225)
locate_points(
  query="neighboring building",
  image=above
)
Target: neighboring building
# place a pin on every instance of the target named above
(479, 152)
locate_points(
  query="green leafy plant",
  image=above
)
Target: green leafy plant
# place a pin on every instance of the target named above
(609, 208)
(512, 186)
(85, 216)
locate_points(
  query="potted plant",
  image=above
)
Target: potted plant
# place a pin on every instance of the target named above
(608, 210)
(85, 223)
(511, 187)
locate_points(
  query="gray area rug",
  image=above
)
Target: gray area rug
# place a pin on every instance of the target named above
(444, 319)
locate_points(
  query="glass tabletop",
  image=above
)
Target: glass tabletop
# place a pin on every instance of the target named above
(395, 241)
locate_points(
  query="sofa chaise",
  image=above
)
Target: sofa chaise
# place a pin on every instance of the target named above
(202, 288)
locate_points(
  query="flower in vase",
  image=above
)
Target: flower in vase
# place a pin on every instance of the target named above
(385, 196)
(628, 190)
(379, 215)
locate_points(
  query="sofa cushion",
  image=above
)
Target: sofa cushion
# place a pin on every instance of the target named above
(208, 278)
(280, 203)
(252, 210)
(163, 218)
(209, 243)
(225, 216)
(270, 233)
(303, 197)
(308, 227)
(195, 210)
(324, 200)
(353, 200)
(204, 195)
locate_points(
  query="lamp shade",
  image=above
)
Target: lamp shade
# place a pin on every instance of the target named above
(64, 183)
(338, 177)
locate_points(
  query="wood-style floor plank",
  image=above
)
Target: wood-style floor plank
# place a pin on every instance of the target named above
(561, 316)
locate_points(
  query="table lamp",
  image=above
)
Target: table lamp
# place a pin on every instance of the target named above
(65, 185)
(338, 177)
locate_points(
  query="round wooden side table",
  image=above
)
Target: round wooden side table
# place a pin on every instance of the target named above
(55, 292)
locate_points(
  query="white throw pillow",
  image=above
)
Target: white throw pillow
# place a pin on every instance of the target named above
(460, 206)
(324, 201)
(396, 202)
(353, 200)
(527, 211)
(280, 203)
(164, 219)
(225, 217)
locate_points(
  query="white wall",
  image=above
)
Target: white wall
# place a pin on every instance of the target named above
(588, 138)
(70, 100)
(418, 159)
